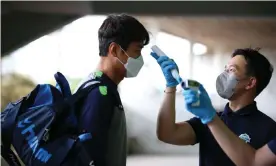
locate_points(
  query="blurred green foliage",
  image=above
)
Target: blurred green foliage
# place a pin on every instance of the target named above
(13, 87)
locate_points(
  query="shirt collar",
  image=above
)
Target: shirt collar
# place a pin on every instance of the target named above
(247, 110)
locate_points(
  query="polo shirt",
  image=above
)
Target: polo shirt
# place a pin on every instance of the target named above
(103, 115)
(251, 125)
(272, 145)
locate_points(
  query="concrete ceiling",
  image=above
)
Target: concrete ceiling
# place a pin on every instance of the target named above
(221, 33)
(25, 21)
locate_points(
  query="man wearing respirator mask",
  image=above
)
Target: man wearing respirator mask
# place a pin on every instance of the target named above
(239, 149)
(121, 40)
(246, 75)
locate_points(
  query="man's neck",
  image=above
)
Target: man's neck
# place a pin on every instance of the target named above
(109, 71)
(240, 103)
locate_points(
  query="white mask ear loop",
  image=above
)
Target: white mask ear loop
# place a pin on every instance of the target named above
(126, 55)
(120, 61)
(124, 51)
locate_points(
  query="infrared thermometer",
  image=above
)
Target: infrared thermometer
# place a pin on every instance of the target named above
(185, 83)
(174, 72)
(194, 85)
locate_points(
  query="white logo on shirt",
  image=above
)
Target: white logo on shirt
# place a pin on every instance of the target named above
(245, 137)
(91, 163)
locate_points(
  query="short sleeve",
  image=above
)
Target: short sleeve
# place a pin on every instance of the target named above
(272, 145)
(198, 128)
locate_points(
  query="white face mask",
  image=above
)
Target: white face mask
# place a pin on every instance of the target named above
(133, 66)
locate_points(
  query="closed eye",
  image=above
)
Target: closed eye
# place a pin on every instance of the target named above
(231, 68)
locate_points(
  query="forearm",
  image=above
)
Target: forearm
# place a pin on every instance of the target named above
(166, 117)
(236, 149)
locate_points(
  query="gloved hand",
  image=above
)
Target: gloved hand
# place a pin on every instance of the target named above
(205, 111)
(166, 65)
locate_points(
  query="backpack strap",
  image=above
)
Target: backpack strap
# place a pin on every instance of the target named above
(91, 83)
(85, 157)
(88, 82)
(70, 101)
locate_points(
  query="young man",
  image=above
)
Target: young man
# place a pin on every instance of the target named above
(121, 39)
(246, 75)
(236, 149)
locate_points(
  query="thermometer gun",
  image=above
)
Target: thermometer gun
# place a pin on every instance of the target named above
(185, 84)
(191, 84)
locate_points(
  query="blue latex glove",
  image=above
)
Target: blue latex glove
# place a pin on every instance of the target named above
(205, 111)
(166, 65)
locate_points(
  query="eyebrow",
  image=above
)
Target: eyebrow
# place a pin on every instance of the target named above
(234, 65)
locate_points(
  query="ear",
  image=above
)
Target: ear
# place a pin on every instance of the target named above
(113, 49)
(252, 83)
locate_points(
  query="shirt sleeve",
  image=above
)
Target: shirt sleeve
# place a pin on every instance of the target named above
(95, 118)
(198, 128)
(272, 145)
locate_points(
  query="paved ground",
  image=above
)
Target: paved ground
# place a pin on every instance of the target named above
(157, 161)
(162, 161)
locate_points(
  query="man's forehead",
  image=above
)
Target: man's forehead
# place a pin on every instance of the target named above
(237, 60)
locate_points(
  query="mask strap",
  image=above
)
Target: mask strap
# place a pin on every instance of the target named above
(120, 61)
(125, 53)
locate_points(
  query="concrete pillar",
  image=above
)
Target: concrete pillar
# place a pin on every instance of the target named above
(191, 59)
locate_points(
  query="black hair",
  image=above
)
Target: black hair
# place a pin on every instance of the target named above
(257, 66)
(122, 29)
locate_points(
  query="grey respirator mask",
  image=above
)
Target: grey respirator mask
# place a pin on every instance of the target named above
(225, 84)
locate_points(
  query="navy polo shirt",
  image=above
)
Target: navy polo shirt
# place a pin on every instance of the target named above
(251, 125)
(102, 114)
(272, 145)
